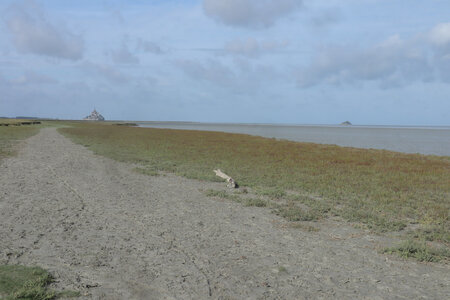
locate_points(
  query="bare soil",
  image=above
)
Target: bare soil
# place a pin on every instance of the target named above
(103, 229)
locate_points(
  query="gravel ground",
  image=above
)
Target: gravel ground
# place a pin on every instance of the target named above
(111, 233)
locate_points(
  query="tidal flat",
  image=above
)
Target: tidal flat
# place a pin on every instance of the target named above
(89, 214)
(382, 190)
(429, 140)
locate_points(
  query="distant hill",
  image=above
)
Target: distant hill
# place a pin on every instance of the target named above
(347, 123)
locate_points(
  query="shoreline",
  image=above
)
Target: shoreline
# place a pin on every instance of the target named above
(411, 140)
(436, 127)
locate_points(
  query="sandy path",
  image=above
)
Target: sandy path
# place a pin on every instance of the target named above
(111, 233)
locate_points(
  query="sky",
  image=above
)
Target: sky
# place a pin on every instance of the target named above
(372, 62)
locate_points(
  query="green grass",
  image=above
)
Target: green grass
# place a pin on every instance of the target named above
(438, 233)
(223, 195)
(21, 282)
(150, 171)
(273, 193)
(317, 208)
(256, 202)
(383, 190)
(419, 251)
(282, 269)
(296, 214)
(9, 136)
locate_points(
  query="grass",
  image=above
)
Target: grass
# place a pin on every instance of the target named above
(21, 282)
(431, 233)
(147, 171)
(15, 132)
(296, 214)
(282, 269)
(17, 122)
(419, 251)
(273, 193)
(384, 190)
(223, 195)
(256, 202)
(304, 227)
(10, 135)
(246, 201)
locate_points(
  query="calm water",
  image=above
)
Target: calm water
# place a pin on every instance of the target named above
(425, 140)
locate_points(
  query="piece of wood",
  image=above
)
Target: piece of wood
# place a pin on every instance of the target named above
(230, 181)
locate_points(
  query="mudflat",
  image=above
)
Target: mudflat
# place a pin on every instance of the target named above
(103, 229)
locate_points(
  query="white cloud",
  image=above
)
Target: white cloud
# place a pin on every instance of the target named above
(117, 16)
(440, 34)
(240, 77)
(439, 37)
(252, 48)
(250, 13)
(32, 32)
(212, 71)
(30, 77)
(326, 18)
(109, 73)
(393, 62)
(124, 56)
(148, 47)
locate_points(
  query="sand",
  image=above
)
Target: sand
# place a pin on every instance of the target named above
(103, 229)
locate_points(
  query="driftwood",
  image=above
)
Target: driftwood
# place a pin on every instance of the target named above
(230, 181)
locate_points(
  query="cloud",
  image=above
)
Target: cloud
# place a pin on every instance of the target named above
(440, 34)
(212, 71)
(250, 13)
(31, 77)
(32, 32)
(117, 16)
(326, 18)
(392, 63)
(109, 73)
(252, 48)
(148, 47)
(124, 56)
(242, 77)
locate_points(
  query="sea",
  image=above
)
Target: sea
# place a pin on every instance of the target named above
(429, 140)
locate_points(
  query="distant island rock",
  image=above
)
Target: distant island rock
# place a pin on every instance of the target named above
(95, 116)
(347, 123)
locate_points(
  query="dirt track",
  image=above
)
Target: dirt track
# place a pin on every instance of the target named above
(111, 233)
